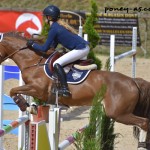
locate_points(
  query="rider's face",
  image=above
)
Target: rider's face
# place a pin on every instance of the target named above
(48, 19)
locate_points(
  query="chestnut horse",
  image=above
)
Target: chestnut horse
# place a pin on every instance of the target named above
(126, 100)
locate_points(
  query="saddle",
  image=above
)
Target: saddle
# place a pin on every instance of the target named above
(79, 64)
(76, 73)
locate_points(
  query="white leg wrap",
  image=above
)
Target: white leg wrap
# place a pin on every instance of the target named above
(142, 138)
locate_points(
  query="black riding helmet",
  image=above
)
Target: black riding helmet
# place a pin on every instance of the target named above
(52, 11)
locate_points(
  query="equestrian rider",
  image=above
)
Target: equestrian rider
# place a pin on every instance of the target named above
(61, 33)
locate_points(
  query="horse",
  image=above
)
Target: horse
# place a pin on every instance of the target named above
(126, 100)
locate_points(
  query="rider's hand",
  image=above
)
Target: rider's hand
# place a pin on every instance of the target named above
(30, 44)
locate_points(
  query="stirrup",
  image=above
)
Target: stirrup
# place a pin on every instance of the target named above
(64, 92)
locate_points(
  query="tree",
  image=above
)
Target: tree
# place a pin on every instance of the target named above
(93, 36)
(99, 134)
(45, 30)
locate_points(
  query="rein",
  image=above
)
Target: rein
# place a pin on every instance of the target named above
(14, 53)
(37, 64)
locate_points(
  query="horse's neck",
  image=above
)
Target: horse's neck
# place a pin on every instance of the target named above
(25, 59)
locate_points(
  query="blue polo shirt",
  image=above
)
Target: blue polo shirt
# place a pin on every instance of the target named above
(60, 35)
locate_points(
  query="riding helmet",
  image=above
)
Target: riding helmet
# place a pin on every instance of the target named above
(52, 11)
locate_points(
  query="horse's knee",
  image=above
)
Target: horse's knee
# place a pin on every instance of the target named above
(12, 93)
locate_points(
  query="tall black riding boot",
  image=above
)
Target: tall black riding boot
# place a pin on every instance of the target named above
(64, 91)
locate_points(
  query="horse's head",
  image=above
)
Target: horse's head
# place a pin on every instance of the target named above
(13, 46)
(8, 45)
(3, 53)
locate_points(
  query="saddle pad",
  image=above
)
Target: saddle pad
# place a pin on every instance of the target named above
(74, 76)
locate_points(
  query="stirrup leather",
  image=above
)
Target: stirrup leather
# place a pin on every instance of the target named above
(64, 92)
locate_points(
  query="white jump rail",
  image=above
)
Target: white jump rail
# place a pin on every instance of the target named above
(54, 126)
(132, 52)
(1, 103)
(22, 129)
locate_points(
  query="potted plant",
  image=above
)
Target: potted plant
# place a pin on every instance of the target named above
(42, 111)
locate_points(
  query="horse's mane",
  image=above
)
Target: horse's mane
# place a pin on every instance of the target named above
(15, 34)
(20, 35)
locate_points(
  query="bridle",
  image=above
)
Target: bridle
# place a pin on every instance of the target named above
(26, 47)
(23, 48)
(14, 53)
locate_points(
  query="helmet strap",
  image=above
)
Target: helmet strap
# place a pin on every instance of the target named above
(49, 19)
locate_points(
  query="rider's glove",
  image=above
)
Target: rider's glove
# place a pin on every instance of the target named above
(30, 44)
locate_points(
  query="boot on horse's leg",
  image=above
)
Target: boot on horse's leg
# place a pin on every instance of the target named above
(64, 91)
(21, 102)
(142, 140)
(23, 105)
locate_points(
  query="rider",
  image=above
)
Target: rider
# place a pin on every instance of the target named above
(61, 33)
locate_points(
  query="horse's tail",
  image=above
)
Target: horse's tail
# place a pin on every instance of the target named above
(143, 104)
(136, 130)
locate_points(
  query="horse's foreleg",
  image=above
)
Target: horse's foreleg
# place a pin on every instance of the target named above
(15, 93)
(25, 89)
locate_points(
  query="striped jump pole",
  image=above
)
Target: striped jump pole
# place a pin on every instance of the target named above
(68, 141)
(13, 125)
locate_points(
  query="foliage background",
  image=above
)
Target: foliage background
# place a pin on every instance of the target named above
(84, 5)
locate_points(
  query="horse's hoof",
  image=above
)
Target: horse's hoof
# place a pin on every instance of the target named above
(32, 109)
(143, 146)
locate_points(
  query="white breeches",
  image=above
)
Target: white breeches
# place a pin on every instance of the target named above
(73, 56)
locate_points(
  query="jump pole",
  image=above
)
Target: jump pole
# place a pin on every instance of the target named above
(23, 130)
(54, 126)
(69, 140)
(132, 52)
(1, 103)
(13, 125)
(38, 133)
